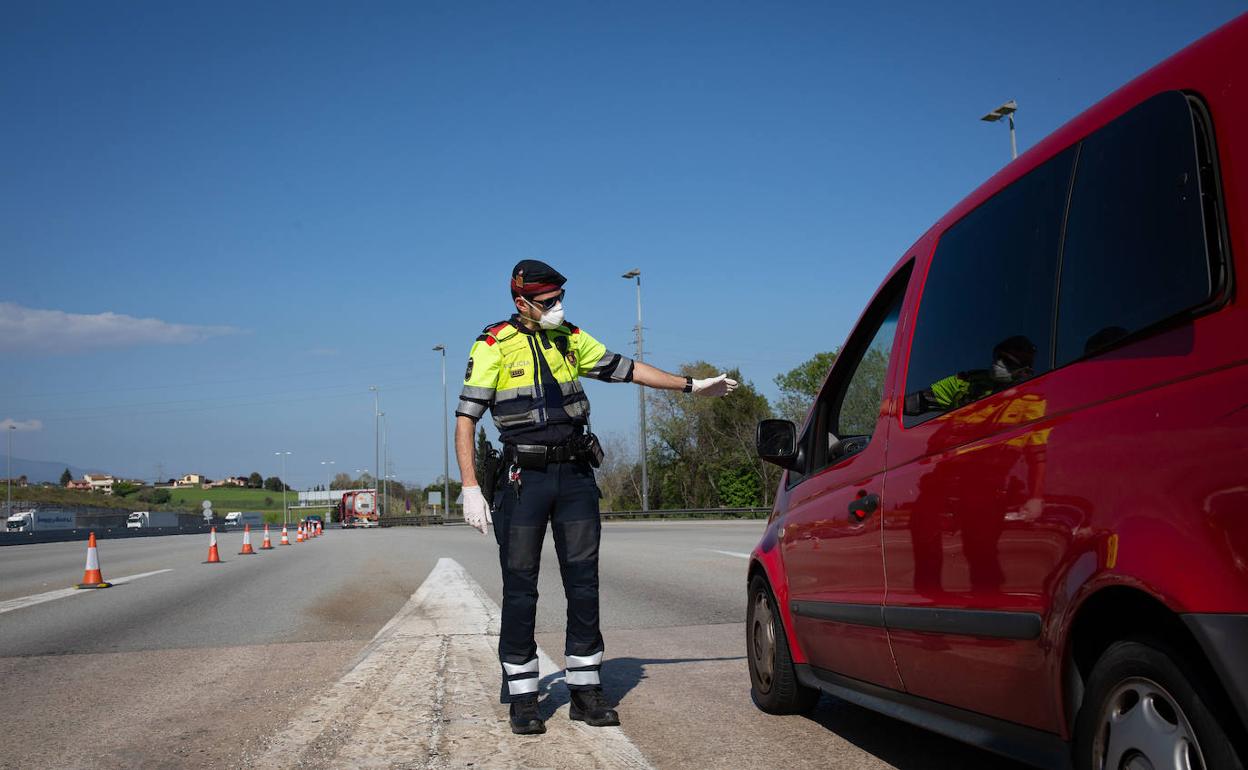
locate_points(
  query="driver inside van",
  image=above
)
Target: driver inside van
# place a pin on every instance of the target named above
(1012, 361)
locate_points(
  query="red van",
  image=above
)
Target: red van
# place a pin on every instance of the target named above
(1017, 513)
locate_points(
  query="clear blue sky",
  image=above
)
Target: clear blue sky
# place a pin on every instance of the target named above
(304, 198)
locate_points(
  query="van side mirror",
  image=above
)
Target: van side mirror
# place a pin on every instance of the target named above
(776, 441)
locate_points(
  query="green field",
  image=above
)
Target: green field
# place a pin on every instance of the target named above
(225, 499)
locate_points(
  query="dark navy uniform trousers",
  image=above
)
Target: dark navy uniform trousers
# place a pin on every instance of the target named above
(566, 496)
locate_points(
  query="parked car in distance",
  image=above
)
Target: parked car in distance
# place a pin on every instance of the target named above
(1017, 513)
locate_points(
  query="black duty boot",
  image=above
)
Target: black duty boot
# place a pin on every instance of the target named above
(525, 718)
(590, 707)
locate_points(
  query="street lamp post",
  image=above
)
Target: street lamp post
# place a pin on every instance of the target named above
(446, 457)
(329, 480)
(1006, 110)
(8, 502)
(641, 397)
(285, 510)
(385, 465)
(376, 435)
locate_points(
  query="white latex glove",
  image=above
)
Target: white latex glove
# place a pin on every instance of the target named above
(476, 510)
(714, 386)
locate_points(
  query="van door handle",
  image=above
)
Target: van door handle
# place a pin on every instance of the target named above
(863, 507)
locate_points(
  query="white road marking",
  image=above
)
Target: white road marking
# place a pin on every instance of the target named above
(737, 554)
(30, 601)
(424, 694)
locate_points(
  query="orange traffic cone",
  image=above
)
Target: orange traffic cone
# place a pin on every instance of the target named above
(247, 549)
(285, 536)
(299, 538)
(213, 556)
(267, 545)
(91, 578)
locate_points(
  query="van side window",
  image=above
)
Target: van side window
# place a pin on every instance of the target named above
(848, 410)
(985, 318)
(1135, 251)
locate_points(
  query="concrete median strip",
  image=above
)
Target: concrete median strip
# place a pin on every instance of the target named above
(424, 694)
(30, 601)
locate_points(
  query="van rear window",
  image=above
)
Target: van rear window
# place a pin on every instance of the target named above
(1135, 251)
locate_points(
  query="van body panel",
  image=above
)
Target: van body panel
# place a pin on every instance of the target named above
(1001, 517)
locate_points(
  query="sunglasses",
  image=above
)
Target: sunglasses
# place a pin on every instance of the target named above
(546, 304)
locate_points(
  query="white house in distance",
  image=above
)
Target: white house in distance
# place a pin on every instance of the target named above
(99, 482)
(229, 481)
(190, 480)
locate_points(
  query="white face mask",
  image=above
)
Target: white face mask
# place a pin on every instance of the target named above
(553, 318)
(1001, 373)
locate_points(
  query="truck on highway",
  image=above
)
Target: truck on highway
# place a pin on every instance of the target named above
(142, 519)
(358, 509)
(41, 520)
(236, 519)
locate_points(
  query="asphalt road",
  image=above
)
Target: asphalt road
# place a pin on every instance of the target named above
(201, 665)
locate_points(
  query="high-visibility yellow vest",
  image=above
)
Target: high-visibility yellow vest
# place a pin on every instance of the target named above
(504, 374)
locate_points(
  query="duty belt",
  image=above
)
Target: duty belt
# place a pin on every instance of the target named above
(539, 455)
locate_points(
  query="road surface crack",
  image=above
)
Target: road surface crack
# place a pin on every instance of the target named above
(437, 717)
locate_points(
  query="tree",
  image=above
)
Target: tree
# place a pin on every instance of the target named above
(66, 477)
(125, 489)
(255, 481)
(619, 478)
(273, 484)
(481, 442)
(341, 481)
(800, 385)
(705, 447)
(154, 496)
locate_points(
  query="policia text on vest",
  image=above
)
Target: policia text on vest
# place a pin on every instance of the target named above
(526, 371)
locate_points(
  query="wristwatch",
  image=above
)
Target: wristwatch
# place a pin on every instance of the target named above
(688, 384)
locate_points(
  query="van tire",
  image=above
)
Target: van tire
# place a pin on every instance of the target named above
(774, 686)
(1139, 663)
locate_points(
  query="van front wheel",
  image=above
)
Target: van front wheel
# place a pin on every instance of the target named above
(773, 680)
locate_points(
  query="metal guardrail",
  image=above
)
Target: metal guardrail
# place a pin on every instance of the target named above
(691, 513)
(415, 521)
(675, 513)
(101, 533)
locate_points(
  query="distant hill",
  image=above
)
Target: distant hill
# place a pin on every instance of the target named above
(38, 471)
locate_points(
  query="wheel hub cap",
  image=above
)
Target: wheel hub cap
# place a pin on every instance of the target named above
(1143, 728)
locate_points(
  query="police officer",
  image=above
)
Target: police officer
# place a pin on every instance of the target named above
(527, 371)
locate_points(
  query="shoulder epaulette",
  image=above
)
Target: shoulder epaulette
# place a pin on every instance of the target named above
(494, 332)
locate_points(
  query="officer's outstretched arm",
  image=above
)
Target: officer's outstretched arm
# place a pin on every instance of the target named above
(720, 385)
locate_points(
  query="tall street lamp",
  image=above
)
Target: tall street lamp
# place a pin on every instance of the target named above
(446, 457)
(329, 479)
(376, 433)
(285, 510)
(1006, 110)
(8, 504)
(641, 397)
(385, 460)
